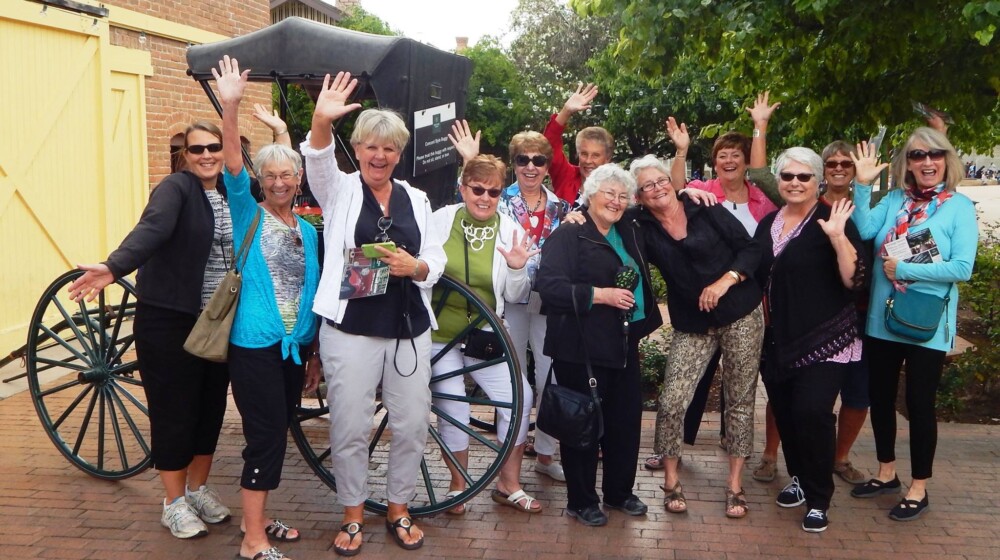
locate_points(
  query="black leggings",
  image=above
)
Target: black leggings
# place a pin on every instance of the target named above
(923, 374)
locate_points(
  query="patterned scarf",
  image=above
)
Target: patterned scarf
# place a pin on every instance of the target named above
(918, 206)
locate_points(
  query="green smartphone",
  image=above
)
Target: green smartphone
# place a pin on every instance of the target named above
(369, 249)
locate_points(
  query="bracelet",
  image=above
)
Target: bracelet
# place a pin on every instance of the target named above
(735, 275)
(283, 131)
(756, 133)
(416, 268)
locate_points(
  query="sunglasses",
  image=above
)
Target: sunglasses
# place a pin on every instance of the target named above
(841, 164)
(523, 160)
(198, 149)
(921, 155)
(384, 223)
(802, 177)
(479, 191)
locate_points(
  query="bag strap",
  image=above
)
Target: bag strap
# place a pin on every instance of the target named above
(591, 380)
(241, 256)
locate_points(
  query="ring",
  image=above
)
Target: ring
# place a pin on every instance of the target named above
(621, 301)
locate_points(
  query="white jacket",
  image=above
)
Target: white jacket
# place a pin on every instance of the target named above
(340, 196)
(508, 283)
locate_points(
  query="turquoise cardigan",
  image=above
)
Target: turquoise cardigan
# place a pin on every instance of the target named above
(258, 323)
(954, 228)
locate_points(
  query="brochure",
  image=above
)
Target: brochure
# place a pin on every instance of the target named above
(363, 277)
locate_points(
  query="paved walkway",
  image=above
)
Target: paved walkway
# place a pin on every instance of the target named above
(52, 510)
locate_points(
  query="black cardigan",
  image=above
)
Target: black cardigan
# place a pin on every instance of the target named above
(171, 243)
(812, 314)
(716, 242)
(576, 259)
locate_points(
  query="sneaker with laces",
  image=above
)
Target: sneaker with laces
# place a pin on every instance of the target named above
(815, 521)
(791, 495)
(207, 505)
(182, 520)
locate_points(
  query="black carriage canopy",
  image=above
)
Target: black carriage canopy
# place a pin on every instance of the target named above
(427, 86)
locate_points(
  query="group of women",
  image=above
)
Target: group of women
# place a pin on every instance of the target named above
(771, 289)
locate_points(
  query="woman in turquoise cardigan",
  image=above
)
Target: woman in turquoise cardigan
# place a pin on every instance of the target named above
(928, 170)
(274, 323)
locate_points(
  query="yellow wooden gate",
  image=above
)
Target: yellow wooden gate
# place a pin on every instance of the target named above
(73, 163)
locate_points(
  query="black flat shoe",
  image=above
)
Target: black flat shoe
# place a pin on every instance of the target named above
(876, 487)
(591, 516)
(908, 510)
(631, 506)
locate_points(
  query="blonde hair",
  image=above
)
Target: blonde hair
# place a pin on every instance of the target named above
(529, 141)
(380, 125)
(484, 168)
(934, 140)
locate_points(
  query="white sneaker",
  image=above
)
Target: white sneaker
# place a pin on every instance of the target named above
(182, 520)
(207, 504)
(553, 470)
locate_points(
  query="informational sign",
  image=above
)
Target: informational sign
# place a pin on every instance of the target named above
(431, 147)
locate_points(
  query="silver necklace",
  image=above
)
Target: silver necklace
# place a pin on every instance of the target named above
(477, 236)
(532, 218)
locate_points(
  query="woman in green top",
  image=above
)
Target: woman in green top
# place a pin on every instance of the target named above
(483, 248)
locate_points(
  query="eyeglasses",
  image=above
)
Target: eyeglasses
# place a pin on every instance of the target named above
(198, 149)
(802, 177)
(833, 164)
(662, 183)
(611, 196)
(523, 160)
(384, 223)
(479, 191)
(921, 155)
(285, 178)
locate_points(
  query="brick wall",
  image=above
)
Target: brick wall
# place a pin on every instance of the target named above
(173, 99)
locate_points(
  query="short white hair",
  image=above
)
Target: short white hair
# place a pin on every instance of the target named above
(648, 161)
(605, 174)
(276, 153)
(802, 155)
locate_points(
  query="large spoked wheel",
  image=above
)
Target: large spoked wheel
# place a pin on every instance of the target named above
(84, 381)
(311, 426)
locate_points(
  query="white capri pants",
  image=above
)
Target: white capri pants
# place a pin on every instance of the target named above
(495, 381)
(354, 366)
(526, 324)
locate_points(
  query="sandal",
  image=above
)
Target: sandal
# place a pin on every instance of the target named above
(656, 462)
(529, 447)
(736, 500)
(266, 554)
(514, 500)
(458, 509)
(278, 531)
(674, 495)
(352, 529)
(405, 523)
(766, 470)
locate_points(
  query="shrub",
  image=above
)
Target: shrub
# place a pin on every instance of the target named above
(653, 352)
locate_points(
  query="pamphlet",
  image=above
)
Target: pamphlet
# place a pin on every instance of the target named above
(363, 277)
(917, 247)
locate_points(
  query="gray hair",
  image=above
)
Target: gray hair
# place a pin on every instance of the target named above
(382, 125)
(276, 153)
(609, 173)
(934, 140)
(648, 161)
(802, 155)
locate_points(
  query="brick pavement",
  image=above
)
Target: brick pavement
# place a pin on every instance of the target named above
(52, 510)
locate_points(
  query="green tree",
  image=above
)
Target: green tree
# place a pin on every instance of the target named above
(839, 66)
(497, 102)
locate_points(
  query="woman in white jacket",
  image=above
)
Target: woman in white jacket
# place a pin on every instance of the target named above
(485, 250)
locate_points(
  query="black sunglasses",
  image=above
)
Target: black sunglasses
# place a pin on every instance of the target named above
(478, 191)
(921, 155)
(802, 177)
(384, 223)
(830, 164)
(523, 160)
(198, 149)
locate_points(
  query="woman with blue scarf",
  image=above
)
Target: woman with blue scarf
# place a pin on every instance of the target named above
(925, 211)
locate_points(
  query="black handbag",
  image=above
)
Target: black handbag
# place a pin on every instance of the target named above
(572, 417)
(479, 344)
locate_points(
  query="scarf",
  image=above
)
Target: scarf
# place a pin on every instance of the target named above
(918, 206)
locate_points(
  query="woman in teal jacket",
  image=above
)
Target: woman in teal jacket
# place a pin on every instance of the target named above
(274, 322)
(929, 171)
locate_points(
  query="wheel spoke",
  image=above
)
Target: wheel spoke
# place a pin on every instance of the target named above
(58, 388)
(465, 428)
(101, 430)
(116, 354)
(471, 400)
(311, 413)
(72, 406)
(128, 395)
(71, 323)
(52, 334)
(127, 416)
(85, 424)
(117, 430)
(60, 363)
(436, 436)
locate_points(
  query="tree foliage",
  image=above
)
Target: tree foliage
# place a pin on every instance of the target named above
(497, 103)
(838, 66)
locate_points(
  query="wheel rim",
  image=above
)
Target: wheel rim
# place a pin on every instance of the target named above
(84, 379)
(310, 428)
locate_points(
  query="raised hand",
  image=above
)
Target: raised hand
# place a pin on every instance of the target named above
(95, 278)
(840, 212)
(271, 120)
(678, 134)
(230, 81)
(761, 111)
(580, 100)
(519, 252)
(331, 104)
(465, 143)
(866, 165)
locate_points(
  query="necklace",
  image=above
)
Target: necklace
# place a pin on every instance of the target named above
(477, 236)
(532, 218)
(291, 230)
